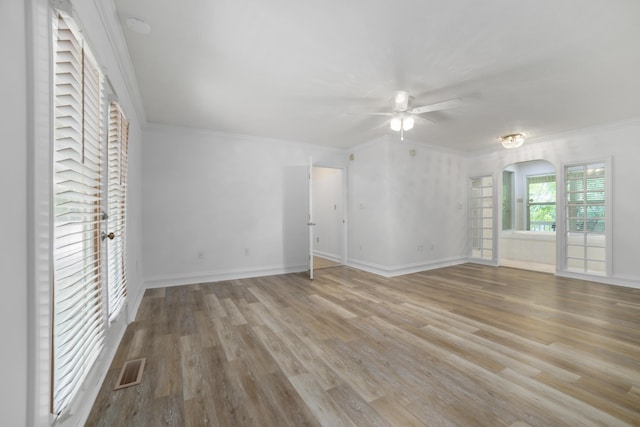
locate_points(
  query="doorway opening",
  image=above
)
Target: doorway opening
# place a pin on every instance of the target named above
(328, 208)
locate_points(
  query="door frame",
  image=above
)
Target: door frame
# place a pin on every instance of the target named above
(344, 245)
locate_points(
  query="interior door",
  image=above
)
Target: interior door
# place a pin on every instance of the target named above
(310, 223)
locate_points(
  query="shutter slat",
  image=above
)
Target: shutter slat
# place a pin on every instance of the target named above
(78, 322)
(117, 145)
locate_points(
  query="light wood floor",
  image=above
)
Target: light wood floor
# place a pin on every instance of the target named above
(459, 346)
(319, 262)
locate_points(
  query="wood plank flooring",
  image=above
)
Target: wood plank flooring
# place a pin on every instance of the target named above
(468, 345)
(319, 263)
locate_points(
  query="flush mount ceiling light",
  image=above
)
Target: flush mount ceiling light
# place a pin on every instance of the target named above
(513, 140)
(138, 25)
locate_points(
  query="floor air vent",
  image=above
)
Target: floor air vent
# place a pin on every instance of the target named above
(131, 373)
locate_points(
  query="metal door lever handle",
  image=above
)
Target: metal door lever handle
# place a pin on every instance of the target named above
(110, 236)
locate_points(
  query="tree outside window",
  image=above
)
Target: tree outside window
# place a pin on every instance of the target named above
(541, 203)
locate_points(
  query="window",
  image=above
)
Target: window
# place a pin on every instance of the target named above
(117, 149)
(541, 203)
(77, 312)
(507, 200)
(586, 213)
(481, 202)
(84, 298)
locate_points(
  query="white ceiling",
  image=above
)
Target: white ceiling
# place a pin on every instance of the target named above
(310, 71)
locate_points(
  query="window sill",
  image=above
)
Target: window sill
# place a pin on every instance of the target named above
(528, 235)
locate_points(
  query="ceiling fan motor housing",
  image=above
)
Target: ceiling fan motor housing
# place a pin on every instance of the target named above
(401, 101)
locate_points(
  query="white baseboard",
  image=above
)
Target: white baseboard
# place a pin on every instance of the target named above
(619, 280)
(220, 275)
(133, 305)
(329, 256)
(488, 262)
(399, 270)
(81, 408)
(527, 265)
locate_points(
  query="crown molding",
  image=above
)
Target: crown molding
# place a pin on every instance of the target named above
(109, 17)
(602, 127)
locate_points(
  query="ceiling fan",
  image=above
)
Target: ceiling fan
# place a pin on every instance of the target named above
(403, 111)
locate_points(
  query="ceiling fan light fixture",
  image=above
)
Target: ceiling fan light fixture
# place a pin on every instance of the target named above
(513, 140)
(401, 100)
(407, 123)
(396, 123)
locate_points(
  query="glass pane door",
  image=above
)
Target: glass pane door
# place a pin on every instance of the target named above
(585, 213)
(481, 216)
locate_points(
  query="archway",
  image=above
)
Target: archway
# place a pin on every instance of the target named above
(528, 216)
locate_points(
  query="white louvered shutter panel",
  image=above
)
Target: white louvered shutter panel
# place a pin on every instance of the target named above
(78, 320)
(117, 147)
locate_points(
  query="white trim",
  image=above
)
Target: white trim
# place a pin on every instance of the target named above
(163, 281)
(399, 270)
(527, 265)
(39, 176)
(603, 127)
(491, 263)
(133, 304)
(240, 136)
(327, 255)
(109, 17)
(344, 188)
(81, 408)
(618, 280)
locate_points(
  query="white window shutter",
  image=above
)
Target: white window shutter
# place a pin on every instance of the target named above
(117, 147)
(78, 320)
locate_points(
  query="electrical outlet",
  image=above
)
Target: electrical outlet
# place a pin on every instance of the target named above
(317, 239)
(246, 251)
(200, 255)
(420, 248)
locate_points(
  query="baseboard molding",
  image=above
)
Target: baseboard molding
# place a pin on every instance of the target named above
(81, 408)
(490, 263)
(218, 276)
(399, 270)
(329, 256)
(527, 265)
(616, 280)
(133, 305)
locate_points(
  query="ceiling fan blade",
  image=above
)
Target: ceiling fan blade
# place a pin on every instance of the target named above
(379, 114)
(423, 119)
(437, 106)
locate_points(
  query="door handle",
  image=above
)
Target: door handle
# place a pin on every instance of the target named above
(311, 223)
(109, 236)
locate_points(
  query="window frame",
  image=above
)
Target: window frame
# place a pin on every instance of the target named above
(607, 234)
(541, 178)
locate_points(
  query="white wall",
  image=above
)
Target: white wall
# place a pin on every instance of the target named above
(621, 143)
(407, 207)
(428, 202)
(528, 250)
(328, 212)
(369, 211)
(218, 206)
(13, 245)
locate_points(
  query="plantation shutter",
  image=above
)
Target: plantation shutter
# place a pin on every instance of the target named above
(77, 312)
(117, 147)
